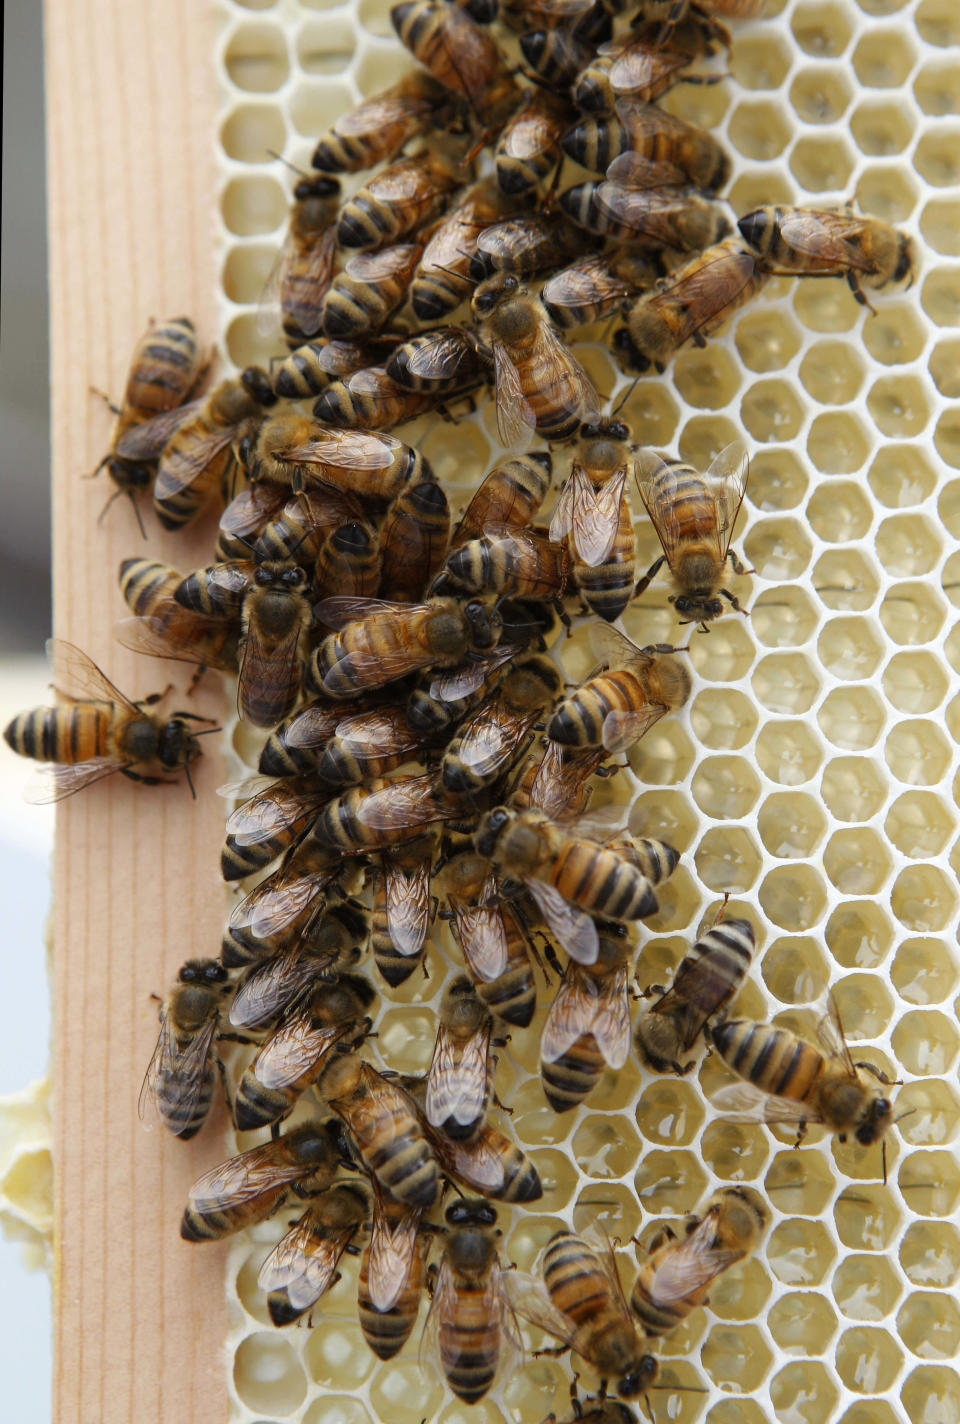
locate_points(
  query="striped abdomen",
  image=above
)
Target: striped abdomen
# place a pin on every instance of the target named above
(511, 494)
(178, 498)
(184, 1116)
(63, 734)
(710, 975)
(413, 541)
(771, 1058)
(469, 1340)
(387, 1331)
(389, 1139)
(362, 298)
(290, 812)
(578, 721)
(569, 1078)
(693, 510)
(599, 880)
(210, 1224)
(554, 396)
(575, 1280)
(295, 747)
(165, 366)
(658, 1315)
(511, 994)
(607, 587)
(144, 584)
(654, 859)
(349, 561)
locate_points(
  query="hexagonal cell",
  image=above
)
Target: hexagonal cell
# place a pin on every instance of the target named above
(938, 224)
(914, 682)
(868, 1359)
(605, 1149)
(859, 935)
(723, 719)
(558, 1176)
(767, 340)
(926, 1042)
(670, 1182)
(917, 753)
(613, 1207)
(946, 437)
(791, 825)
(729, 656)
(788, 752)
(653, 413)
(703, 437)
(881, 128)
(935, 157)
(866, 1217)
(256, 58)
(930, 1254)
(935, 88)
(870, 1411)
(735, 1152)
(267, 1375)
(930, 1111)
(931, 1393)
(541, 1384)
(737, 1411)
(250, 131)
(761, 61)
(727, 860)
(831, 373)
(315, 105)
(707, 379)
(853, 788)
(944, 363)
(899, 405)
(825, 305)
(399, 1390)
(821, 164)
(802, 1323)
(759, 129)
(338, 1406)
(245, 344)
(852, 718)
(930, 1183)
(793, 897)
(679, 902)
(533, 1120)
(799, 1252)
(837, 443)
(770, 411)
(912, 613)
(845, 581)
(924, 971)
(866, 1007)
(839, 512)
(795, 971)
(805, 1393)
(252, 205)
(849, 648)
(923, 898)
(741, 1292)
(783, 617)
(736, 1359)
(866, 1287)
(753, 190)
(665, 755)
(785, 683)
(901, 475)
(820, 95)
(669, 1112)
(895, 336)
(883, 58)
(666, 816)
(919, 825)
(777, 548)
(821, 29)
(799, 1182)
(887, 194)
(245, 272)
(725, 787)
(527, 1238)
(406, 1038)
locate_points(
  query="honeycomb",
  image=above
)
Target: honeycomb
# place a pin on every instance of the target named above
(810, 777)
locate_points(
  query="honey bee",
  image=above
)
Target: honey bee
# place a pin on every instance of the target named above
(616, 707)
(383, 1129)
(529, 143)
(303, 1265)
(688, 305)
(375, 130)
(674, 217)
(178, 1086)
(349, 560)
(540, 386)
(249, 512)
(368, 744)
(489, 1163)
(330, 943)
(642, 145)
(267, 824)
(460, 1077)
(309, 457)
(670, 13)
(391, 1276)
(499, 732)
(165, 367)
(525, 245)
(588, 1023)
(312, 367)
(678, 1273)
(294, 1055)
(275, 914)
(413, 541)
(296, 745)
(607, 587)
(788, 1080)
(401, 908)
(694, 517)
(492, 939)
(580, 1302)
(395, 202)
(597, 1409)
(471, 1332)
(588, 510)
(560, 783)
(442, 279)
(518, 14)
(379, 642)
(303, 271)
(511, 494)
(706, 980)
(641, 68)
(565, 876)
(448, 697)
(438, 362)
(808, 242)
(461, 55)
(593, 287)
(511, 563)
(162, 628)
(96, 731)
(382, 813)
(371, 400)
(556, 57)
(249, 1187)
(371, 287)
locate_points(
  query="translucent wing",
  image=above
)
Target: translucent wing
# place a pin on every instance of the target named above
(383, 266)
(442, 359)
(175, 632)
(742, 1102)
(375, 669)
(55, 783)
(279, 902)
(304, 286)
(657, 482)
(268, 307)
(147, 440)
(242, 1178)
(586, 1005)
(483, 938)
(370, 731)
(297, 1047)
(571, 379)
(530, 1299)
(690, 1265)
(337, 612)
(632, 170)
(492, 740)
(704, 294)
(560, 786)
(391, 1255)
(572, 928)
(79, 679)
(269, 673)
(622, 730)
(593, 517)
(636, 69)
(276, 810)
(271, 986)
(470, 677)
(726, 480)
(379, 113)
(457, 1080)
(313, 726)
(252, 508)
(597, 1240)
(186, 1067)
(442, 1306)
(825, 237)
(408, 906)
(345, 450)
(516, 420)
(832, 1038)
(185, 463)
(403, 805)
(303, 1263)
(398, 184)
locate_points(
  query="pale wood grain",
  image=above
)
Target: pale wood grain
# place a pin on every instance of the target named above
(140, 1316)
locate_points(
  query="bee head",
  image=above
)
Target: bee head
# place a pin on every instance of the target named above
(177, 745)
(202, 971)
(874, 1122)
(490, 829)
(321, 187)
(638, 1380)
(470, 1211)
(496, 289)
(694, 608)
(485, 624)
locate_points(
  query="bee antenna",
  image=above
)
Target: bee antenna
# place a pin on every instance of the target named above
(193, 790)
(460, 276)
(287, 164)
(629, 392)
(207, 732)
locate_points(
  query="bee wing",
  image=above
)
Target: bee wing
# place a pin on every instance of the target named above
(826, 239)
(302, 298)
(725, 275)
(391, 1256)
(345, 450)
(529, 1298)
(470, 677)
(270, 987)
(239, 1179)
(264, 816)
(657, 483)
(727, 482)
(160, 1065)
(622, 729)
(569, 1016)
(268, 307)
(400, 184)
(79, 679)
(516, 420)
(403, 804)
(743, 1102)
(554, 351)
(337, 612)
(491, 744)
(366, 730)
(181, 467)
(252, 508)
(303, 1264)
(296, 1047)
(312, 727)
(147, 440)
(597, 1240)
(457, 1080)
(602, 823)
(269, 674)
(442, 1305)
(572, 928)
(483, 939)
(632, 170)
(232, 578)
(510, 1357)
(832, 1038)
(246, 787)
(55, 783)
(594, 514)
(635, 69)
(443, 358)
(408, 907)
(379, 113)
(151, 634)
(277, 903)
(691, 1265)
(188, 1067)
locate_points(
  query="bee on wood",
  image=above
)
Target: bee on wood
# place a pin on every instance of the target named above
(303, 1265)
(594, 287)
(413, 541)
(362, 298)
(588, 1023)
(442, 279)
(267, 823)
(303, 271)
(808, 242)
(178, 1086)
(375, 130)
(460, 1076)
(391, 1277)
(615, 708)
(529, 144)
(330, 943)
(164, 629)
(510, 495)
(401, 908)
(395, 202)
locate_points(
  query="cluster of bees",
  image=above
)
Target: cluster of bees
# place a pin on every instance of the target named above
(423, 758)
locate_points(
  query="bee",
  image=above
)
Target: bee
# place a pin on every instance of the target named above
(678, 1273)
(489, 1163)
(294, 1055)
(378, 642)
(312, 367)
(349, 560)
(383, 813)
(309, 457)
(461, 55)
(275, 914)
(580, 1302)
(395, 202)
(788, 1080)
(413, 541)
(643, 69)
(492, 939)
(195, 444)
(382, 1128)
(249, 512)
(588, 1023)
(559, 783)
(588, 510)
(670, 13)
(597, 1409)
(303, 1265)
(391, 1276)
(249, 1187)
(267, 824)
(401, 908)
(511, 563)
(371, 400)
(450, 696)
(808, 242)
(511, 494)
(162, 628)
(304, 268)
(642, 145)
(674, 217)
(442, 279)
(368, 744)
(540, 386)
(295, 746)
(371, 287)
(96, 731)
(500, 730)
(529, 143)
(706, 980)
(607, 587)
(518, 14)
(688, 305)
(375, 130)
(471, 1332)
(330, 943)
(165, 367)
(460, 1077)
(556, 57)
(178, 1086)
(524, 246)
(616, 707)
(694, 517)
(438, 362)
(593, 287)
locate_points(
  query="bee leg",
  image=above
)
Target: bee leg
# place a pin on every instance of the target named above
(682, 1069)
(155, 697)
(274, 1131)
(562, 613)
(551, 192)
(96, 391)
(699, 339)
(652, 991)
(93, 473)
(853, 282)
(660, 1238)
(194, 716)
(554, 1350)
(879, 1074)
(222, 1070)
(733, 601)
(738, 567)
(643, 584)
(801, 1133)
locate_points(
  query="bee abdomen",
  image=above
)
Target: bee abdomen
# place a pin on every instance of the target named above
(143, 583)
(405, 1166)
(512, 996)
(578, 721)
(365, 223)
(256, 1106)
(385, 1331)
(607, 588)
(600, 880)
(434, 295)
(60, 734)
(184, 1119)
(576, 1285)
(656, 1318)
(771, 1058)
(568, 1080)
(473, 1364)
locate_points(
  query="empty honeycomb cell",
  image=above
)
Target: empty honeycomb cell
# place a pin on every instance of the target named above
(605, 1149)
(771, 411)
(845, 581)
(915, 682)
(406, 1038)
(901, 475)
(935, 157)
(664, 756)
(831, 373)
(256, 58)
(788, 753)
(866, 1288)
(759, 129)
(940, 226)
(803, 1394)
(799, 1182)
(950, 579)
(783, 617)
(664, 815)
(725, 787)
(742, 1292)
(736, 1359)
(821, 164)
(767, 340)
(679, 902)
(867, 1359)
(558, 1178)
(837, 442)
(800, 1253)
(936, 88)
(883, 59)
(926, 1042)
(735, 1152)
(802, 1323)
(820, 95)
(730, 654)
(706, 379)
(821, 28)
(541, 1384)
(826, 305)
(653, 414)
(335, 1355)
(762, 60)
(838, 511)
(533, 1120)
(946, 437)
(679, 1390)
(917, 753)
(852, 788)
(923, 898)
(865, 1005)
(669, 1113)
(754, 189)
(924, 971)
(527, 1238)
(777, 549)
(612, 1207)
(791, 826)
(929, 1325)
(245, 272)
(886, 195)
(314, 107)
(930, 1183)
(325, 47)
(850, 649)
(795, 971)
(793, 897)
(931, 1395)
(703, 437)
(723, 719)
(899, 405)
(930, 1254)
(267, 1374)
(940, 296)
(737, 1411)
(246, 344)
(945, 368)
(784, 683)
(866, 1216)
(253, 205)
(402, 1393)
(930, 1112)
(859, 935)
(250, 131)
(919, 825)
(340, 1407)
(881, 128)
(895, 335)
(856, 861)
(669, 1182)
(249, 1293)
(870, 1411)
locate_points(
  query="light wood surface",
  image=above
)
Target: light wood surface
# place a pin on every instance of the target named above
(139, 1315)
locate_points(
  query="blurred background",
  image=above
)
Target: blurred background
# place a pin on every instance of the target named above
(26, 832)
